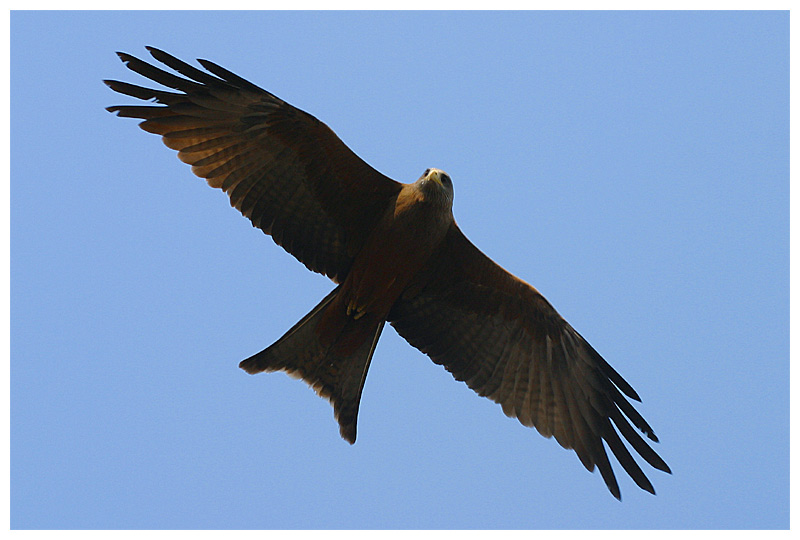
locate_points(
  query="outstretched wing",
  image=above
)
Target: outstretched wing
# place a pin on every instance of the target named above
(505, 341)
(282, 168)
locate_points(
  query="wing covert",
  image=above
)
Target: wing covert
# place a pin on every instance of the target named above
(502, 338)
(282, 168)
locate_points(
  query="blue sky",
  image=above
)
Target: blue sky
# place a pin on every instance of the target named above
(634, 167)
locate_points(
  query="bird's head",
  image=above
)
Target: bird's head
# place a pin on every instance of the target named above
(436, 185)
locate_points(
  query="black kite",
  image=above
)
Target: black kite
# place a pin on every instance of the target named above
(397, 255)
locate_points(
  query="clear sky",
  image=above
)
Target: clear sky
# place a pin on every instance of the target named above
(634, 167)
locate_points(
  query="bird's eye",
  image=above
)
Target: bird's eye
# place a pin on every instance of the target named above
(427, 171)
(446, 179)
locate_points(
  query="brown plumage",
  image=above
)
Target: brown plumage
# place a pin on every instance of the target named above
(397, 255)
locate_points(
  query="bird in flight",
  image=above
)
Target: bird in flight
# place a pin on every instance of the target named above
(395, 254)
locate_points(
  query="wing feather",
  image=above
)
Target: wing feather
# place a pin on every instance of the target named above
(499, 335)
(282, 168)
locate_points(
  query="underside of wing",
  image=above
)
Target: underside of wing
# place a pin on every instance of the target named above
(282, 168)
(506, 342)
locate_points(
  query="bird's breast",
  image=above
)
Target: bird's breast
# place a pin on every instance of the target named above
(394, 252)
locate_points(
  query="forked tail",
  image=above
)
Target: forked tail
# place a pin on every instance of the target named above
(334, 372)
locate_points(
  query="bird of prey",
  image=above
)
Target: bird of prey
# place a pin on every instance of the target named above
(397, 255)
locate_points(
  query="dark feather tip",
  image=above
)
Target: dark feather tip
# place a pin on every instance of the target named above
(348, 433)
(250, 366)
(158, 54)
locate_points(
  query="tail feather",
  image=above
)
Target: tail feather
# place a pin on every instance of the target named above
(334, 372)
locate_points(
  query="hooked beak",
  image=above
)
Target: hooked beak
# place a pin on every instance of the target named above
(436, 176)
